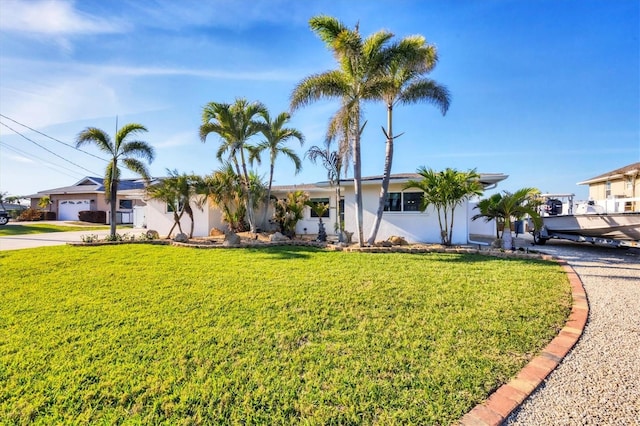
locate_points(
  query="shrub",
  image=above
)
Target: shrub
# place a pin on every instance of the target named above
(289, 211)
(30, 215)
(91, 238)
(93, 216)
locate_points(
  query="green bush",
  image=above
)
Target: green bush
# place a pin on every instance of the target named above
(93, 216)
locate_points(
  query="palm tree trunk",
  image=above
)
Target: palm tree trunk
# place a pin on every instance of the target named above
(451, 225)
(247, 188)
(176, 222)
(442, 237)
(507, 239)
(386, 175)
(357, 177)
(189, 211)
(112, 201)
(338, 226)
(266, 204)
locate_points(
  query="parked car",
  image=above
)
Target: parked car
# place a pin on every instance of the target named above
(4, 218)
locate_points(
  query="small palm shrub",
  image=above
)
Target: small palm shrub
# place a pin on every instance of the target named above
(289, 210)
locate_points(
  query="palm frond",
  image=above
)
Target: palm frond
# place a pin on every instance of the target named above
(98, 137)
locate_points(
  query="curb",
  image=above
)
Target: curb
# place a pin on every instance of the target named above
(504, 401)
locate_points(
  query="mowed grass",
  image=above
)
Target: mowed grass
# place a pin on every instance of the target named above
(140, 334)
(39, 228)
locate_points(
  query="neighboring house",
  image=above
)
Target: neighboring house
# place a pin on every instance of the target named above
(617, 190)
(88, 194)
(402, 216)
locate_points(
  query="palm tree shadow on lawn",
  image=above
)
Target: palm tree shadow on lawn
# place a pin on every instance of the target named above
(286, 253)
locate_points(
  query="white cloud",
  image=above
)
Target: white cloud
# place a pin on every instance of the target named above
(20, 159)
(222, 13)
(52, 17)
(178, 139)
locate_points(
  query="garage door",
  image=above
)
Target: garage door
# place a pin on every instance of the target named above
(68, 209)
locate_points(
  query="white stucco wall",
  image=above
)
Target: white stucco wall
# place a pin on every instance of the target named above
(160, 220)
(479, 226)
(413, 226)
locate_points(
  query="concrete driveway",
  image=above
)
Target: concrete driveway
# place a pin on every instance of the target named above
(16, 242)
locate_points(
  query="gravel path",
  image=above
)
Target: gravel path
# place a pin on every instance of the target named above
(598, 383)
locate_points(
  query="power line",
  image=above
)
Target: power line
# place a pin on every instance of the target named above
(48, 150)
(52, 138)
(46, 163)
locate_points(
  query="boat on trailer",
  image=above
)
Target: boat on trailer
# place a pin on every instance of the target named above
(586, 222)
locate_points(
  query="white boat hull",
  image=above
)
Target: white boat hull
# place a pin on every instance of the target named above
(616, 226)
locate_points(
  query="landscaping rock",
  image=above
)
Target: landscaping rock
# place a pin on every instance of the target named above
(181, 238)
(215, 232)
(152, 234)
(231, 239)
(383, 244)
(496, 243)
(278, 237)
(397, 241)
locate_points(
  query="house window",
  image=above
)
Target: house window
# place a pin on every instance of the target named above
(394, 202)
(317, 201)
(180, 205)
(125, 204)
(342, 210)
(629, 183)
(403, 202)
(607, 190)
(411, 201)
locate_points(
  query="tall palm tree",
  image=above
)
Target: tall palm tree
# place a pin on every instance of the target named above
(235, 124)
(411, 59)
(121, 150)
(332, 162)
(357, 79)
(445, 191)
(275, 136)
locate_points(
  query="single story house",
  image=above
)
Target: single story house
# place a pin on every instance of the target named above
(617, 190)
(88, 194)
(402, 216)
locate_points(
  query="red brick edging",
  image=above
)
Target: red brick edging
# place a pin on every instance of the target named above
(508, 397)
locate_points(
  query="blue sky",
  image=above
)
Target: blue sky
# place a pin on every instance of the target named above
(547, 92)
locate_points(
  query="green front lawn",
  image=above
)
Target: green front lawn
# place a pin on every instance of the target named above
(38, 228)
(157, 334)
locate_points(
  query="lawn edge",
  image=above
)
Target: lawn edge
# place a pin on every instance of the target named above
(510, 396)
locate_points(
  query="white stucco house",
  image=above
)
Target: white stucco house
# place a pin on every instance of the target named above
(402, 216)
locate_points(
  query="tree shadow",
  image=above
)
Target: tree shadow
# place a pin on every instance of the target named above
(288, 252)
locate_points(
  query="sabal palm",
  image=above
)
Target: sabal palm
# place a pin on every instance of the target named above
(357, 79)
(276, 135)
(410, 60)
(445, 191)
(235, 124)
(122, 150)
